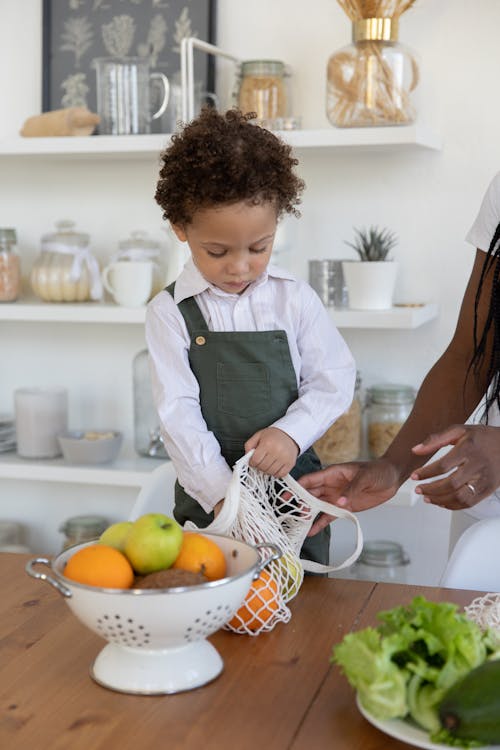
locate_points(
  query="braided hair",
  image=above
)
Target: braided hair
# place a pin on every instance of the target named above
(491, 327)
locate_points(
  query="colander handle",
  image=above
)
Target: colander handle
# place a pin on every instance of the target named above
(44, 576)
(275, 556)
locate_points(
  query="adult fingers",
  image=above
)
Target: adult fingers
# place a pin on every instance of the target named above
(439, 440)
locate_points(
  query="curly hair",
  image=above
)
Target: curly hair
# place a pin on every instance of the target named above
(224, 158)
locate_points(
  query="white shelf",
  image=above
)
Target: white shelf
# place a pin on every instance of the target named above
(126, 471)
(148, 146)
(96, 312)
(82, 312)
(396, 317)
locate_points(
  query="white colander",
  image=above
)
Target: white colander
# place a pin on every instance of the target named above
(157, 637)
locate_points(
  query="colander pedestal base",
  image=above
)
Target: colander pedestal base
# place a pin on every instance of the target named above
(156, 672)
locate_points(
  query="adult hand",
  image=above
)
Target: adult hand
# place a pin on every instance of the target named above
(275, 451)
(356, 486)
(474, 461)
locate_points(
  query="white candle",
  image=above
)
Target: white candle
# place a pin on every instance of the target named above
(41, 414)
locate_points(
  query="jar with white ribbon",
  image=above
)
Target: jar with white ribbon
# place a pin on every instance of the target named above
(66, 270)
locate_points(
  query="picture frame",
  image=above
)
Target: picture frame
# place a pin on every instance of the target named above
(75, 32)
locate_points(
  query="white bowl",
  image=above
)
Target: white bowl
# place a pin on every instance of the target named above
(157, 637)
(90, 446)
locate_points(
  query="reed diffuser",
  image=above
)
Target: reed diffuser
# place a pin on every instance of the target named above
(369, 82)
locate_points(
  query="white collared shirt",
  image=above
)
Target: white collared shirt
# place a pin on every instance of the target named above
(323, 365)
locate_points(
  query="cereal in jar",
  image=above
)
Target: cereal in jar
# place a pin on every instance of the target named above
(388, 406)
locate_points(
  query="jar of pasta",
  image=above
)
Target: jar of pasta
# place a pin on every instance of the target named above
(388, 406)
(342, 441)
(10, 270)
(263, 90)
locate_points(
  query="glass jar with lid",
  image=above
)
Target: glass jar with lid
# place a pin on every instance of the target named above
(65, 270)
(342, 441)
(263, 90)
(10, 266)
(140, 246)
(147, 435)
(79, 529)
(388, 406)
(382, 560)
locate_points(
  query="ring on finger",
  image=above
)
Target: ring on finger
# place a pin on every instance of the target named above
(471, 487)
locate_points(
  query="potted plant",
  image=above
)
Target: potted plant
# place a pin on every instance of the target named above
(371, 280)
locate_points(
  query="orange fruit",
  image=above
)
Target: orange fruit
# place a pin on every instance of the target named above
(100, 565)
(199, 554)
(260, 603)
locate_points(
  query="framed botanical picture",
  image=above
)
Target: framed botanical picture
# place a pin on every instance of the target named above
(78, 32)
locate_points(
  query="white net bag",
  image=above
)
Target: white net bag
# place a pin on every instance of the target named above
(485, 612)
(259, 508)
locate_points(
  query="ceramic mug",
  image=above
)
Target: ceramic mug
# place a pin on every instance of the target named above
(129, 282)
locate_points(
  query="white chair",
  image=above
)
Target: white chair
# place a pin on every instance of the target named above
(475, 560)
(157, 493)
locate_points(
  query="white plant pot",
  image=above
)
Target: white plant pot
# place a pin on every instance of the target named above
(370, 284)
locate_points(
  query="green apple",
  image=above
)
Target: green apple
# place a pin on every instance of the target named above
(153, 543)
(292, 576)
(115, 535)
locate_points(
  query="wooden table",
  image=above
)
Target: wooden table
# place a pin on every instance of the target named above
(277, 690)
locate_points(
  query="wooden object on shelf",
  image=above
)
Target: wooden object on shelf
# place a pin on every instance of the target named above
(72, 121)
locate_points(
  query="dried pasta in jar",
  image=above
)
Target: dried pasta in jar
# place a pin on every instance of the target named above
(342, 441)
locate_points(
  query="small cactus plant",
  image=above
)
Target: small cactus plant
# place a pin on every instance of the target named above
(373, 244)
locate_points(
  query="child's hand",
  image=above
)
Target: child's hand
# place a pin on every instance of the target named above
(275, 451)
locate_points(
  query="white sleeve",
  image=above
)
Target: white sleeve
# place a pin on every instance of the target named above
(327, 375)
(201, 469)
(482, 231)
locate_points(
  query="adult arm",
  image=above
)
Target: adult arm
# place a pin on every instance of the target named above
(447, 397)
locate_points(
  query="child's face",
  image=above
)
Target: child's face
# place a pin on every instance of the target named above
(231, 244)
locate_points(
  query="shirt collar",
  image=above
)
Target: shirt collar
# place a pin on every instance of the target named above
(190, 282)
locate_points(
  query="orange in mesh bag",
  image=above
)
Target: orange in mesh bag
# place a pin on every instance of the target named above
(260, 509)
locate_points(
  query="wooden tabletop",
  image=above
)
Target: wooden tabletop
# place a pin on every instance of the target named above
(277, 690)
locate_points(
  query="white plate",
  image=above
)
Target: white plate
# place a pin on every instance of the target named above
(406, 732)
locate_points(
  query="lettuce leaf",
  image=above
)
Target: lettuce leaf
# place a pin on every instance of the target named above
(405, 665)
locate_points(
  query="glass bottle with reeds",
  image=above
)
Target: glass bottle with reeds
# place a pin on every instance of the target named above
(370, 82)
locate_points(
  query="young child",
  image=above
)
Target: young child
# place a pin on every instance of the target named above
(243, 355)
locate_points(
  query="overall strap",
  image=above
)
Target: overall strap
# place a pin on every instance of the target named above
(190, 312)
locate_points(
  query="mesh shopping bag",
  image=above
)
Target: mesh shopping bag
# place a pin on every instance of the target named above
(259, 508)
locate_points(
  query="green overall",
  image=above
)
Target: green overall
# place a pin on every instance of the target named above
(247, 382)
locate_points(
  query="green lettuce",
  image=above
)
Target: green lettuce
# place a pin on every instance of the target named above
(403, 667)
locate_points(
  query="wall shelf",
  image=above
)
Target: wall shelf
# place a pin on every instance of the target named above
(127, 471)
(400, 316)
(97, 312)
(149, 146)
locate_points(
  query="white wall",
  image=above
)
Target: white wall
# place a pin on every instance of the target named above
(429, 198)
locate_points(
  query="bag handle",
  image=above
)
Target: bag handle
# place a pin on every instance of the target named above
(332, 510)
(229, 511)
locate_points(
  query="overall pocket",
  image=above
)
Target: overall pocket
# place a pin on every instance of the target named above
(243, 390)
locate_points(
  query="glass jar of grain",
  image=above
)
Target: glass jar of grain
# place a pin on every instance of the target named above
(388, 406)
(10, 268)
(342, 441)
(66, 270)
(262, 89)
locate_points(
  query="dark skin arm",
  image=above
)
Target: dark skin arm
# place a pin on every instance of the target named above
(437, 420)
